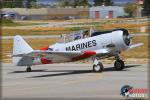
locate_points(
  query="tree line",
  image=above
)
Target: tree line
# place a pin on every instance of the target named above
(60, 3)
(75, 3)
(128, 8)
(17, 3)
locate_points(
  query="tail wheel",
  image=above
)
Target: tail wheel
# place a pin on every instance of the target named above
(28, 69)
(119, 65)
(98, 68)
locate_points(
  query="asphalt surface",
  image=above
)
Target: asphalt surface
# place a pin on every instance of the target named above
(71, 81)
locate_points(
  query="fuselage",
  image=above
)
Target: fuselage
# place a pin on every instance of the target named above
(111, 40)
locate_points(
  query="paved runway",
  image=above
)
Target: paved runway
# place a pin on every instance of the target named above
(70, 81)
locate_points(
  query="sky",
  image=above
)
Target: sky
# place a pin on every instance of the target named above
(115, 1)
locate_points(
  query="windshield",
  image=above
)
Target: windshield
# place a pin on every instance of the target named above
(75, 35)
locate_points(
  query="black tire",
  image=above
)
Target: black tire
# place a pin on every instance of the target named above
(28, 69)
(98, 68)
(119, 65)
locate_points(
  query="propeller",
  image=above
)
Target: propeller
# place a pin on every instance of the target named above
(127, 37)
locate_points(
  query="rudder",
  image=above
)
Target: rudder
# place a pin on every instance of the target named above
(20, 46)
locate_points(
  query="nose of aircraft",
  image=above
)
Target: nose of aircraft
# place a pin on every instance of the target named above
(127, 37)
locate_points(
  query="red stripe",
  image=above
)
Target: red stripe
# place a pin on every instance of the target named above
(85, 55)
(44, 48)
(45, 61)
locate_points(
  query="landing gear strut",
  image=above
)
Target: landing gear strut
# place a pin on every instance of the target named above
(119, 64)
(28, 69)
(97, 66)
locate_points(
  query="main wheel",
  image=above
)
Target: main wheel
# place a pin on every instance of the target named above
(98, 67)
(28, 69)
(119, 65)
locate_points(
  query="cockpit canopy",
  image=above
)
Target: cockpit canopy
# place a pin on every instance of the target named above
(89, 33)
(106, 32)
(77, 35)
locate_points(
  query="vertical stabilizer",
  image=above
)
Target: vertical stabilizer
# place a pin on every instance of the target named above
(20, 47)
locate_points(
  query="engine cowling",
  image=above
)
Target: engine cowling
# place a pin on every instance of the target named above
(126, 37)
(121, 39)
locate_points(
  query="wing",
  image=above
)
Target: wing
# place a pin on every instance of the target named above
(59, 55)
(63, 55)
(135, 45)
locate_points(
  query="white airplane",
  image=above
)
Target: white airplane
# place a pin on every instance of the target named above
(99, 45)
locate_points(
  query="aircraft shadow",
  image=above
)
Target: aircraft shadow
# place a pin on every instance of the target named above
(38, 70)
(45, 70)
(73, 72)
(125, 69)
(64, 72)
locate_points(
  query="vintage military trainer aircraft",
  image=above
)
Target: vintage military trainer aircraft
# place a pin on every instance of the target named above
(97, 46)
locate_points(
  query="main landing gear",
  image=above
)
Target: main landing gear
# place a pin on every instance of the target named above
(28, 69)
(97, 66)
(119, 64)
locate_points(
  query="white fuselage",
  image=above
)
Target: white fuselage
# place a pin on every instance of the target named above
(93, 43)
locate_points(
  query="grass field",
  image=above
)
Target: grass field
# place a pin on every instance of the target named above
(13, 32)
(140, 52)
(28, 28)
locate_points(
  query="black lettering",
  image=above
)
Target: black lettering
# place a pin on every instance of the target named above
(94, 42)
(78, 47)
(89, 44)
(73, 48)
(85, 45)
(81, 46)
(68, 48)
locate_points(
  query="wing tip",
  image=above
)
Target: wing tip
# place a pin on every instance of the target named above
(136, 45)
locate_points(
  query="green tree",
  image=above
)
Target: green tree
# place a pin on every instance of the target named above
(101, 2)
(98, 2)
(30, 3)
(76, 3)
(83, 3)
(130, 8)
(73, 3)
(146, 7)
(7, 4)
(108, 3)
(34, 4)
(63, 3)
(16, 3)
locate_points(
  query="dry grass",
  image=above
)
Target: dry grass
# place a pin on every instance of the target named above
(140, 52)
(13, 32)
(130, 27)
